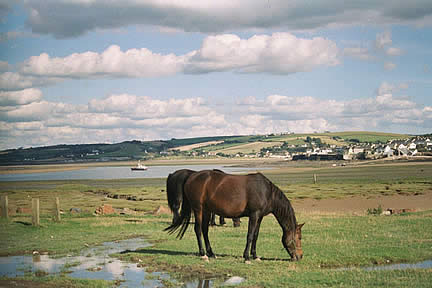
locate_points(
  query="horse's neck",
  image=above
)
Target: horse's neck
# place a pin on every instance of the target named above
(283, 211)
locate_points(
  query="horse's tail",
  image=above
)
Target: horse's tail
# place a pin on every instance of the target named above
(181, 222)
(171, 189)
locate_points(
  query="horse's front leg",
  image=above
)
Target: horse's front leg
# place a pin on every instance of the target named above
(205, 229)
(255, 239)
(198, 229)
(253, 219)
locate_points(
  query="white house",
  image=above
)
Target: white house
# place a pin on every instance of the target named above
(388, 151)
(403, 150)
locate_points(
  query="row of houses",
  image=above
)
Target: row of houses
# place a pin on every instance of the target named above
(402, 147)
(394, 148)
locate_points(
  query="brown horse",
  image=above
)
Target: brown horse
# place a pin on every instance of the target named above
(231, 196)
(174, 190)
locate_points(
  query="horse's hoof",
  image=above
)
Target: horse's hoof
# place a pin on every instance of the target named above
(258, 259)
(205, 258)
(248, 262)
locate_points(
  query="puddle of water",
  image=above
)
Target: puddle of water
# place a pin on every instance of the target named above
(94, 263)
(401, 266)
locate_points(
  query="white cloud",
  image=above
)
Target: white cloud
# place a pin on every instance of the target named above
(112, 62)
(279, 53)
(10, 81)
(75, 17)
(35, 122)
(21, 97)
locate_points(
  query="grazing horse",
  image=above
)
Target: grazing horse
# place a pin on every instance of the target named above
(174, 190)
(227, 195)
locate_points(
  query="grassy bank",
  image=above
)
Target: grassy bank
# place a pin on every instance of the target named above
(330, 242)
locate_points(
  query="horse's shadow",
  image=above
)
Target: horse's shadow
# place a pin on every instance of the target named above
(150, 251)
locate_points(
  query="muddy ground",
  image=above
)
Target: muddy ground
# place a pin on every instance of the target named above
(359, 205)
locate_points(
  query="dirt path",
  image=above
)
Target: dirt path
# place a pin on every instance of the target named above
(359, 205)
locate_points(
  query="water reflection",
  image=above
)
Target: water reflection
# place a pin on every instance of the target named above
(95, 263)
(98, 266)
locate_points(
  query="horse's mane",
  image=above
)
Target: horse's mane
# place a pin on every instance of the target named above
(282, 208)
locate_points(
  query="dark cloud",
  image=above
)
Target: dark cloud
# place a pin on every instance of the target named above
(73, 18)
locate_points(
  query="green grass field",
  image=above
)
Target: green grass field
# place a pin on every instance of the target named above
(331, 242)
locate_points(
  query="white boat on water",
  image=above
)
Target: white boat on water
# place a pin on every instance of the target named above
(139, 167)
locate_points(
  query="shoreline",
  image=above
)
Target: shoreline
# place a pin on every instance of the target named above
(43, 168)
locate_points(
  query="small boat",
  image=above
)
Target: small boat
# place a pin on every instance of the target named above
(139, 167)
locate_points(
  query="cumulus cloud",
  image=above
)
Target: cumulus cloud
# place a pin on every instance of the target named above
(144, 107)
(75, 17)
(279, 53)
(21, 97)
(29, 120)
(10, 81)
(111, 62)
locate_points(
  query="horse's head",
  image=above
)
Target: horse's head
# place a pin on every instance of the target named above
(292, 243)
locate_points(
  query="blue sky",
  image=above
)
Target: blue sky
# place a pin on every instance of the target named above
(92, 71)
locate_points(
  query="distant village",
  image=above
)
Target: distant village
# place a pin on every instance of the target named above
(314, 149)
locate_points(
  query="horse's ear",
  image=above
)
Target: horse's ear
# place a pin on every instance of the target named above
(301, 225)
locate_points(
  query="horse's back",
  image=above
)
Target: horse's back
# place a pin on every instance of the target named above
(225, 194)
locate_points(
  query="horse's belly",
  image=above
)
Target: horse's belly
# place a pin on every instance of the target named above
(227, 208)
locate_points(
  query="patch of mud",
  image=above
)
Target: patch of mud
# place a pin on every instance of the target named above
(359, 205)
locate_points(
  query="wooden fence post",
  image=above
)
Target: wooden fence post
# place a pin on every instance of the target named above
(35, 212)
(4, 207)
(57, 209)
(315, 178)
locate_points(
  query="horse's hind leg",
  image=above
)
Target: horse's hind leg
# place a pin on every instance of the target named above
(213, 219)
(205, 228)
(198, 229)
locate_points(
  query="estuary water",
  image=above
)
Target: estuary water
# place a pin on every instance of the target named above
(118, 172)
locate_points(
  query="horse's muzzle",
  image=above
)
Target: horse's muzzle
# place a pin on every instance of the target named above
(296, 257)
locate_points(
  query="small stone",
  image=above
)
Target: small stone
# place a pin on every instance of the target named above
(234, 280)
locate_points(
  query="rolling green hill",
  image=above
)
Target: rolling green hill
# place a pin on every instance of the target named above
(230, 145)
